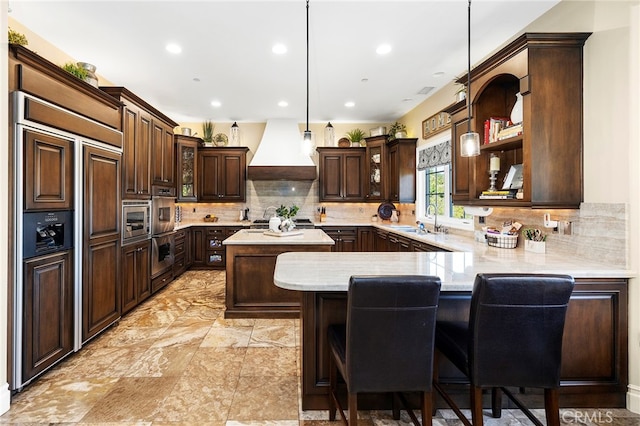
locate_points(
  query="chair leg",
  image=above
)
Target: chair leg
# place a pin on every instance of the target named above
(496, 402)
(476, 405)
(427, 407)
(395, 406)
(333, 380)
(551, 407)
(353, 409)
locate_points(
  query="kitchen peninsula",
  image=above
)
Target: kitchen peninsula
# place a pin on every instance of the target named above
(594, 359)
(251, 259)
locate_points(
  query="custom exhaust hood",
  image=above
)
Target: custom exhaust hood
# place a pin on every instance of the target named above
(279, 155)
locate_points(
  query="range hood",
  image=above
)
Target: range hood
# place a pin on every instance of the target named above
(279, 155)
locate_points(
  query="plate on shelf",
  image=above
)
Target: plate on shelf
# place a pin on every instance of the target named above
(220, 139)
(384, 210)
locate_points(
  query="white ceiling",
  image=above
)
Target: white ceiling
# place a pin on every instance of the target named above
(227, 46)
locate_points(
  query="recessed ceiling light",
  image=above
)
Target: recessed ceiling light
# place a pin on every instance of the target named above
(174, 48)
(216, 104)
(438, 74)
(364, 80)
(407, 99)
(350, 104)
(196, 79)
(383, 49)
(283, 104)
(279, 49)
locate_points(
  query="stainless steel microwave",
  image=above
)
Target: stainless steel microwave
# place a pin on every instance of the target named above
(136, 221)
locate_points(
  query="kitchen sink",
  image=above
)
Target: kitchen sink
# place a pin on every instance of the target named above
(404, 228)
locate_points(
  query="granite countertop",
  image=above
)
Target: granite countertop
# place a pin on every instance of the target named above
(457, 270)
(295, 237)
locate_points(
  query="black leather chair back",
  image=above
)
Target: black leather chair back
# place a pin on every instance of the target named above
(515, 329)
(390, 332)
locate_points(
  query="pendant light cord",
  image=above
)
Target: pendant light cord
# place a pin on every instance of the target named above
(307, 128)
(468, 67)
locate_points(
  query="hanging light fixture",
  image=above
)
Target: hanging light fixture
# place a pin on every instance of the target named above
(470, 141)
(307, 140)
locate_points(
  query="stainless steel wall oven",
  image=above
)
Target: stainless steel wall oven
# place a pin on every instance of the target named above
(136, 221)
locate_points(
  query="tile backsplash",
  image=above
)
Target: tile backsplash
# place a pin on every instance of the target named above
(598, 230)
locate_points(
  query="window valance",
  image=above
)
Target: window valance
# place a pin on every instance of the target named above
(435, 155)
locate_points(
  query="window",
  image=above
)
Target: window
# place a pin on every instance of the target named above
(433, 193)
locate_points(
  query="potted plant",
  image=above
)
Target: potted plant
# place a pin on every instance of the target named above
(397, 131)
(286, 214)
(76, 70)
(207, 133)
(17, 38)
(356, 136)
(461, 93)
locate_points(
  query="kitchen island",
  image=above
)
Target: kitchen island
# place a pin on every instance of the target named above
(251, 259)
(595, 353)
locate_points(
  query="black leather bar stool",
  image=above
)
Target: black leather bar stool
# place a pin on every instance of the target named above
(387, 342)
(513, 339)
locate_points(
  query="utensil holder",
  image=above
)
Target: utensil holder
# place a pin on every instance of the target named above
(535, 246)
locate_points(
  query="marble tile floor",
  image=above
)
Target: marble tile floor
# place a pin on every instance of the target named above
(175, 360)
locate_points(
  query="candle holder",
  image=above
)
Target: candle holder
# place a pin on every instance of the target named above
(493, 176)
(494, 169)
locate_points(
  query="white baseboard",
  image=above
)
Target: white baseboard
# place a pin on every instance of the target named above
(633, 398)
(5, 398)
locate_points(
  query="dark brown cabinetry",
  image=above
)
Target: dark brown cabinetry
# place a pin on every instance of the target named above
(183, 252)
(222, 174)
(48, 166)
(136, 274)
(101, 281)
(186, 168)
(162, 153)
(366, 237)
(546, 69)
(346, 238)
(376, 175)
(402, 170)
(398, 242)
(381, 240)
(420, 246)
(593, 371)
(148, 148)
(48, 312)
(208, 250)
(342, 174)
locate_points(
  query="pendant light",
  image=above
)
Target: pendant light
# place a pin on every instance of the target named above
(307, 140)
(470, 141)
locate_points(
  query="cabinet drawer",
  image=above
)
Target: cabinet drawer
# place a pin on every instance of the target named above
(179, 265)
(216, 258)
(179, 248)
(161, 281)
(180, 235)
(340, 230)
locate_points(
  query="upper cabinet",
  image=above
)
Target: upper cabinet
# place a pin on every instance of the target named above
(148, 148)
(187, 168)
(391, 169)
(546, 69)
(342, 174)
(222, 174)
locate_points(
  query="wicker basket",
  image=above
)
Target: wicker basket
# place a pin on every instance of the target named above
(502, 240)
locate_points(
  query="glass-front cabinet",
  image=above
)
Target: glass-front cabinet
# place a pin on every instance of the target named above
(187, 150)
(376, 181)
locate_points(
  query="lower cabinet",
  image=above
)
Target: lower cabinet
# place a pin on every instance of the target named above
(366, 238)
(208, 250)
(346, 237)
(136, 274)
(47, 333)
(183, 252)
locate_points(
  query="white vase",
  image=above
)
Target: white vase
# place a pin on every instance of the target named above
(516, 112)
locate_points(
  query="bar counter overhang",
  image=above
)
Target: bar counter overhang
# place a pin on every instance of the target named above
(595, 351)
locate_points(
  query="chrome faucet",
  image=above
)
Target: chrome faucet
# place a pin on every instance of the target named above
(436, 228)
(264, 215)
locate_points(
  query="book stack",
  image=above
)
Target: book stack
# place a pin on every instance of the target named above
(501, 194)
(510, 131)
(492, 127)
